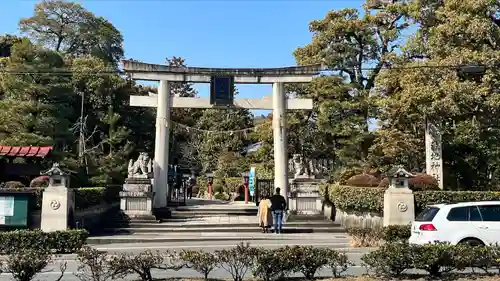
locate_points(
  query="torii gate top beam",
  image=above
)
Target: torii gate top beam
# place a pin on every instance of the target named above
(157, 72)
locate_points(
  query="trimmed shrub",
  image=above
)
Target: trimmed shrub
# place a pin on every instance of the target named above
(341, 176)
(202, 262)
(437, 258)
(237, 261)
(421, 182)
(41, 181)
(93, 265)
(272, 264)
(308, 260)
(58, 242)
(348, 198)
(364, 237)
(141, 264)
(25, 264)
(390, 260)
(86, 197)
(363, 180)
(395, 233)
(371, 200)
(14, 185)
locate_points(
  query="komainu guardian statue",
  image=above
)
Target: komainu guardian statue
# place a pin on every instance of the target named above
(142, 167)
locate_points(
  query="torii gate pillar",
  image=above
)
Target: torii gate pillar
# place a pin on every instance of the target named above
(160, 164)
(280, 141)
(163, 101)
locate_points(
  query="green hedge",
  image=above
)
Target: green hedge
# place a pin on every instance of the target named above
(86, 197)
(365, 199)
(392, 260)
(58, 242)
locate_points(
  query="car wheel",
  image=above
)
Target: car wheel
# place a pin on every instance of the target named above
(472, 242)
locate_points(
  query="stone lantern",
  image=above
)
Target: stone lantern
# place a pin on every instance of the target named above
(57, 201)
(398, 177)
(399, 204)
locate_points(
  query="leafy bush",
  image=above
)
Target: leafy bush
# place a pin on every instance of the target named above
(421, 182)
(25, 264)
(41, 181)
(363, 180)
(424, 198)
(394, 233)
(202, 262)
(390, 260)
(371, 200)
(221, 196)
(237, 260)
(342, 175)
(308, 260)
(364, 237)
(86, 197)
(435, 258)
(271, 264)
(142, 264)
(348, 198)
(393, 259)
(338, 262)
(14, 185)
(93, 265)
(59, 242)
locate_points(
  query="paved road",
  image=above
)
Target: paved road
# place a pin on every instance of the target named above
(52, 271)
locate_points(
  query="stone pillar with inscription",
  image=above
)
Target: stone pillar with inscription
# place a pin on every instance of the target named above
(399, 204)
(433, 152)
(136, 198)
(57, 202)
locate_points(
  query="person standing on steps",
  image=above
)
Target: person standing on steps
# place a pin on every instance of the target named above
(190, 184)
(278, 207)
(264, 214)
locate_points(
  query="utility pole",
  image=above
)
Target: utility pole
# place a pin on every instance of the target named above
(81, 140)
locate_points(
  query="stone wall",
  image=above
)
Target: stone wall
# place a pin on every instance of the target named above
(352, 219)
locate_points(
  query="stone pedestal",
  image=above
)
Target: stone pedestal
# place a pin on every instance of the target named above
(304, 198)
(58, 200)
(136, 199)
(399, 206)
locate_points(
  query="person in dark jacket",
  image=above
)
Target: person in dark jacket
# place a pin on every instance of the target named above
(278, 207)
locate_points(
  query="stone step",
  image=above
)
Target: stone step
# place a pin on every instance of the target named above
(172, 223)
(336, 240)
(237, 229)
(202, 213)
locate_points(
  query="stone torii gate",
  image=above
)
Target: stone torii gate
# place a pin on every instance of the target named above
(163, 101)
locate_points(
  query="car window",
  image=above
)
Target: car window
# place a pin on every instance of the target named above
(458, 214)
(474, 214)
(490, 212)
(427, 214)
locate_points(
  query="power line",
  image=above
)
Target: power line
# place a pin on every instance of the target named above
(68, 72)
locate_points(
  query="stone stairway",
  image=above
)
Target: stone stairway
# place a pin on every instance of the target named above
(204, 220)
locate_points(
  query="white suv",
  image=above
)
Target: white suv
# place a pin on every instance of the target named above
(474, 223)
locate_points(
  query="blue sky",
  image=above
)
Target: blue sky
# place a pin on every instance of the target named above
(227, 33)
